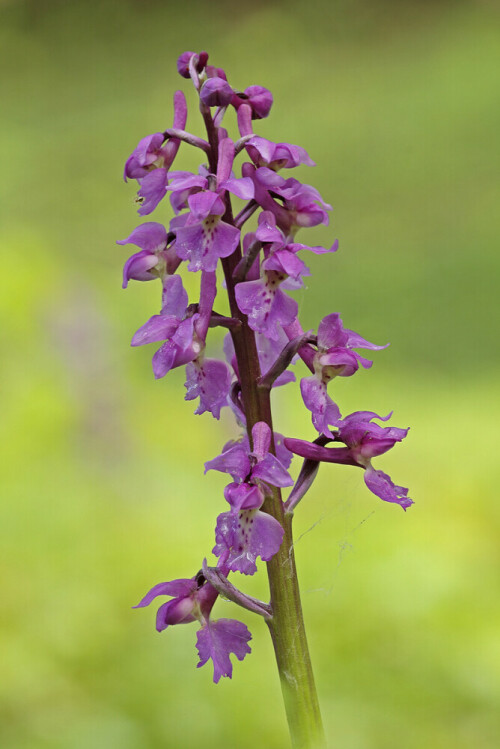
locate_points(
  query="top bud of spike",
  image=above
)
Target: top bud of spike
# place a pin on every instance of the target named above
(183, 62)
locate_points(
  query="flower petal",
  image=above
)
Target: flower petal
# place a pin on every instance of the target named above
(175, 298)
(138, 267)
(150, 236)
(181, 587)
(382, 485)
(325, 412)
(157, 328)
(244, 536)
(272, 472)
(153, 189)
(234, 461)
(217, 640)
(211, 383)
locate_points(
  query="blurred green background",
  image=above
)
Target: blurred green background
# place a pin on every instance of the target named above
(102, 467)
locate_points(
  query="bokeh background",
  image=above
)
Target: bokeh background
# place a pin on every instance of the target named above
(102, 467)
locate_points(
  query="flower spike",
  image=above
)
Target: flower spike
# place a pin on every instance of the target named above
(241, 178)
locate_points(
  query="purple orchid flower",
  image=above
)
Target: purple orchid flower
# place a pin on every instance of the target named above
(205, 237)
(274, 238)
(364, 440)
(154, 259)
(268, 308)
(335, 358)
(150, 161)
(265, 339)
(200, 60)
(193, 600)
(241, 463)
(244, 533)
(216, 92)
(184, 336)
(302, 205)
(146, 155)
(172, 326)
(258, 98)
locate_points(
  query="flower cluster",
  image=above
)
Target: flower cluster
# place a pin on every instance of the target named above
(265, 338)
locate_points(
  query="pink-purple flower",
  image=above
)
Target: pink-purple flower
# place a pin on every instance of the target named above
(151, 159)
(335, 357)
(363, 441)
(193, 600)
(244, 533)
(204, 237)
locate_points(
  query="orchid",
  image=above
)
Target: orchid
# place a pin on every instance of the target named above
(363, 441)
(264, 339)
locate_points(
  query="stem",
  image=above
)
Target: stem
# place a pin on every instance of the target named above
(287, 623)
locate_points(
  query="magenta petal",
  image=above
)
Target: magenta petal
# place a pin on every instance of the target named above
(144, 154)
(357, 341)
(341, 357)
(150, 236)
(366, 363)
(382, 485)
(217, 640)
(267, 230)
(210, 382)
(243, 496)
(283, 454)
(260, 99)
(175, 298)
(234, 461)
(164, 359)
(245, 536)
(183, 336)
(204, 243)
(181, 587)
(287, 262)
(271, 471)
(157, 328)
(216, 92)
(181, 181)
(153, 189)
(267, 307)
(325, 412)
(243, 188)
(264, 147)
(205, 203)
(177, 611)
(331, 332)
(138, 267)
(373, 446)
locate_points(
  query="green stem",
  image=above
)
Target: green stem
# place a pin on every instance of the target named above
(287, 622)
